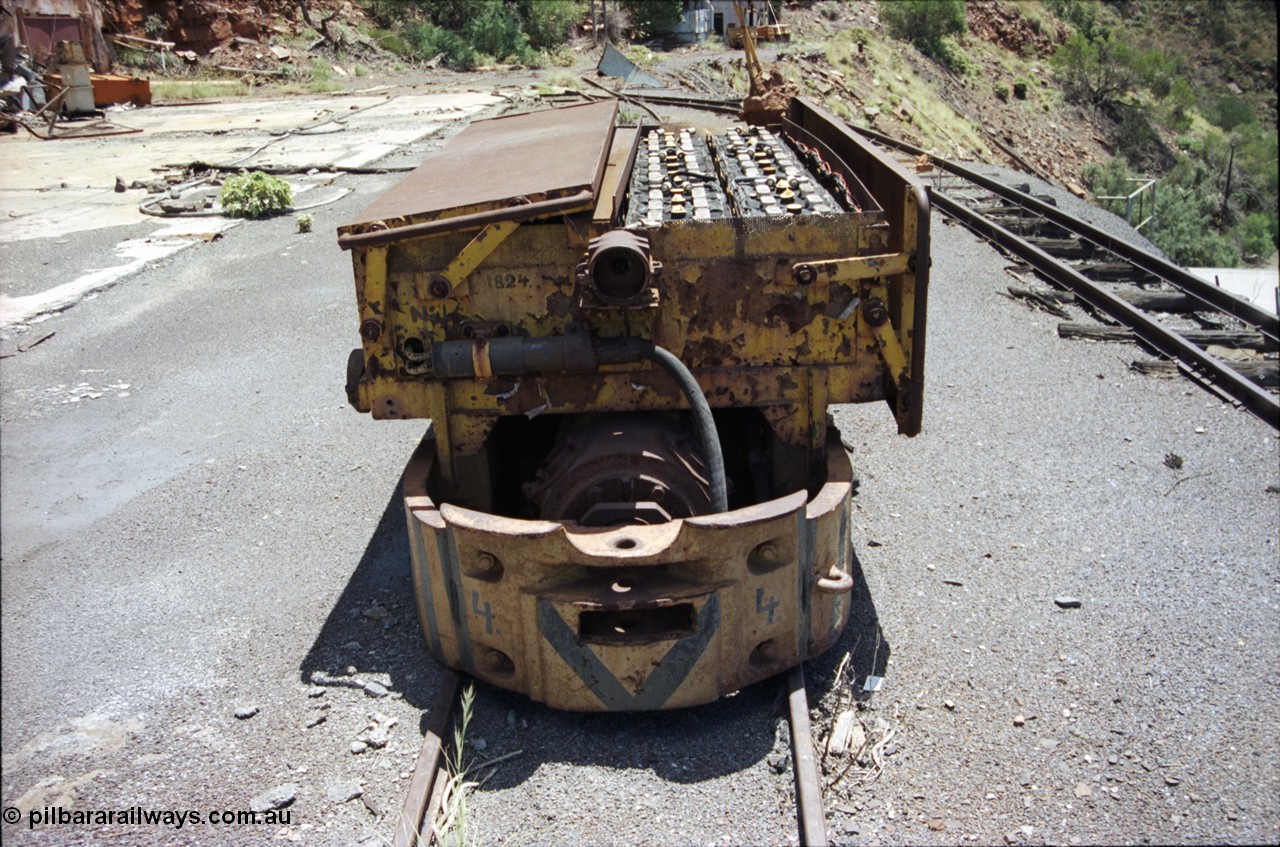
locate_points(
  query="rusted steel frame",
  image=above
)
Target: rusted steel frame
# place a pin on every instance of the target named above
(877, 170)
(856, 267)
(1211, 295)
(581, 201)
(813, 820)
(423, 786)
(915, 401)
(1207, 370)
(856, 183)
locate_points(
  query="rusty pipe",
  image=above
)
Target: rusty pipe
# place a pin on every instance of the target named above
(485, 358)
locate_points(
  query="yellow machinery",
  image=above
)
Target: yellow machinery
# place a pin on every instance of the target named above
(627, 339)
(752, 25)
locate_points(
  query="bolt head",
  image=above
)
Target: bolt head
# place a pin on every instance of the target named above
(439, 288)
(875, 312)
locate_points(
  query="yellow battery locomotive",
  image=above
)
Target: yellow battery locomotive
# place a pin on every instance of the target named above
(627, 339)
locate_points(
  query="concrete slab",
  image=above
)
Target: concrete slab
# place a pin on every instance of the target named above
(51, 188)
(55, 189)
(1260, 286)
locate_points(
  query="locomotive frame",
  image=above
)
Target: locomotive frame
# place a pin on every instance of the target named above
(631, 495)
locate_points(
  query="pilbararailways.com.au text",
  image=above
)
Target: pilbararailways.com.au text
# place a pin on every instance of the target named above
(139, 816)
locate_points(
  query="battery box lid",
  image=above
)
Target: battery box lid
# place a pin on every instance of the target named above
(502, 162)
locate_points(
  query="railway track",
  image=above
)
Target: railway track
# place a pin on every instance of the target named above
(431, 778)
(1138, 292)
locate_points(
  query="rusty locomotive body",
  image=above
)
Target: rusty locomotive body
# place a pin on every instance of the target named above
(626, 339)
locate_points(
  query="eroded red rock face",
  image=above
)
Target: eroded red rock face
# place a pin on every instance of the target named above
(202, 25)
(996, 23)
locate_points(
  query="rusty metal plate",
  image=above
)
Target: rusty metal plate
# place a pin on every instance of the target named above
(527, 157)
(631, 618)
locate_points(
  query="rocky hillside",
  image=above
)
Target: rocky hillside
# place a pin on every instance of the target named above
(204, 28)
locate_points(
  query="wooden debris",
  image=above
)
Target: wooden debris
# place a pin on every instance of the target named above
(1223, 337)
(1265, 372)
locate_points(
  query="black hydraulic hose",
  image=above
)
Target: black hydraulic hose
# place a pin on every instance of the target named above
(630, 349)
(578, 353)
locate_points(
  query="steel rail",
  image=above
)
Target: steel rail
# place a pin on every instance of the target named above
(732, 107)
(1180, 278)
(429, 774)
(426, 785)
(1209, 371)
(813, 820)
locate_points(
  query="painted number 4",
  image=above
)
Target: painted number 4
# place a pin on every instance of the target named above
(486, 612)
(762, 607)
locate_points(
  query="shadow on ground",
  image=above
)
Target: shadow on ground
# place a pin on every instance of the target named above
(863, 641)
(682, 746)
(374, 625)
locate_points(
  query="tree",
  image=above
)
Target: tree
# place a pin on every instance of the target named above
(924, 22)
(548, 21)
(654, 16)
(1097, 73)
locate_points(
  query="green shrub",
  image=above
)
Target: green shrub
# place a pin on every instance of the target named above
(548, 22)
(560, 57)
(831, 9)
(429, 41)
(952, 55)
(132, 57)
(654, 16)
(1001, 90)
(391, 41)
(1020, 87)
(255, 195)
(1157, 71)
(1081, 14)
(1258, 236)
(1231, 112)
(1096, 73)
(1109, 180)
(925, 23)
(495, 32)
(1135, 137)
(1180, 229)
(469, 32)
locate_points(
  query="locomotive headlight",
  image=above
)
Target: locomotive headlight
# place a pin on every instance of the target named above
(618, 265)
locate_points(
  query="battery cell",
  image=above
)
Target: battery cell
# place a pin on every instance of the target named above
(763, 176)
(674, 179)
